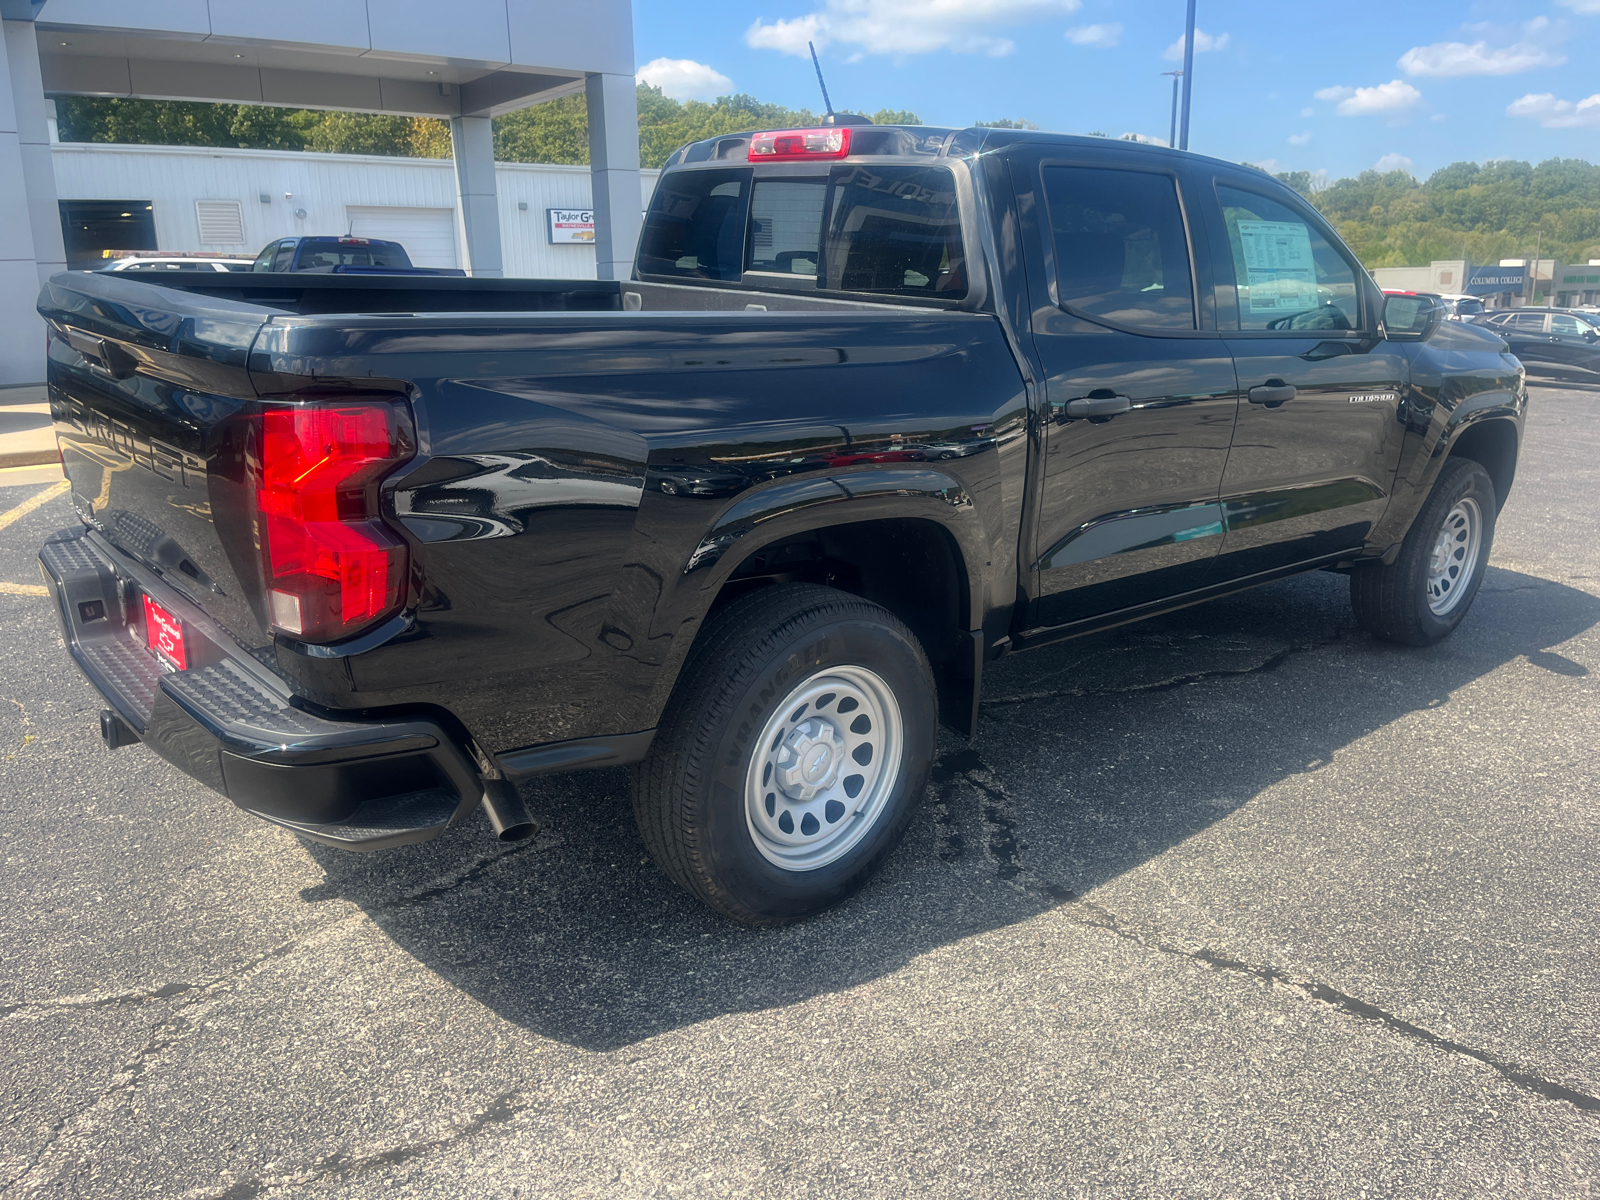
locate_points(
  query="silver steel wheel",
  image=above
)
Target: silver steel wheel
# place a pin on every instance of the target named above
(1455, 556)
(824, 768)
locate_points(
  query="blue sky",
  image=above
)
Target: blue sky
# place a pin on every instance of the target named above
(1336, 87)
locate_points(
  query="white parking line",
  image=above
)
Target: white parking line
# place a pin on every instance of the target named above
(23, 589)
(32, 502)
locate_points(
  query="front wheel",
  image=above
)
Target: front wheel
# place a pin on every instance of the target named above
(1420, 598)
(794, 748)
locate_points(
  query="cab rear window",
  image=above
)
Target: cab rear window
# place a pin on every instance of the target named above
(885, 230)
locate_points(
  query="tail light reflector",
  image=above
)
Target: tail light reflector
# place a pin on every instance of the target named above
(788, 145)
(331, 565)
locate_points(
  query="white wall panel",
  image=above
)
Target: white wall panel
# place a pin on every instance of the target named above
(326, 186)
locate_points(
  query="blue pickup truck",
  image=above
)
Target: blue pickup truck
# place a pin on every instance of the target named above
(342, 256)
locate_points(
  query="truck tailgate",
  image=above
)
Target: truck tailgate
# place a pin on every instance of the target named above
(147, 386)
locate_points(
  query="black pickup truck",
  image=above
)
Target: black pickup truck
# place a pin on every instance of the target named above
(879, 405)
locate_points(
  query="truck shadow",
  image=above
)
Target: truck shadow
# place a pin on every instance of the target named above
(1093, 757)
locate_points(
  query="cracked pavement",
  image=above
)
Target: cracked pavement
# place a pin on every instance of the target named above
(1234, 903)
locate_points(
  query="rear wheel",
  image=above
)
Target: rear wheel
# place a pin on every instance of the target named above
(1426, 592)
(793, 751)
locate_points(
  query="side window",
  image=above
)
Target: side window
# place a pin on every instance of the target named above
(285, 256)
(1287, 275)
(1563, 324)
(263, 260)
(1120, 248)
(694, 228)
(895, 231)
(1533, 322)
(786, 225)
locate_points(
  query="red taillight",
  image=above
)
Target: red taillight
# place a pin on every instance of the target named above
(788, 144)
(332, 566)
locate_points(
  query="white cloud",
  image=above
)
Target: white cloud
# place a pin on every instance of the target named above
(1299, 139)
(1204, 43)
(1558, 114)
(685, 79)
(1394, 162)
(1479, 58)
(900, 27)
(1095, 35)
(1588, 8)
(1393, 97)
(1308, 112)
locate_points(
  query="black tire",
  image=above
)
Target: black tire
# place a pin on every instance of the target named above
(689, 794)
(1392, 602)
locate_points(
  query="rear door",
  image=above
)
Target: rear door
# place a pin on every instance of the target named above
(1573, 346)
(1318, 438)
(1139, 387)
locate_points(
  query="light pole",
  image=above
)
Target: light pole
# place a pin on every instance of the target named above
(1172, 139)
(1530, 285)
(1188, 77)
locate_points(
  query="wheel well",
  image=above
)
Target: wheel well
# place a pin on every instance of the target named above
(1492, 445)
(912, 567)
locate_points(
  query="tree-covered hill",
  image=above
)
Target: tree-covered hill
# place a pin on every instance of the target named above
(556, 132)
(1483, 213)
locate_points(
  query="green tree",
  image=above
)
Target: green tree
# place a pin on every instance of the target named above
(1010, 123)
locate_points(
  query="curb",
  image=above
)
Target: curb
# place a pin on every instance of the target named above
(30, 458)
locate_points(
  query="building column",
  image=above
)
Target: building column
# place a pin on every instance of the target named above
(472, 144)
(613, 104)
(21, 331)
(33, 136)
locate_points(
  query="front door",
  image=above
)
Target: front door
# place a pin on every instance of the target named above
(1318, 437)
(1141, 396)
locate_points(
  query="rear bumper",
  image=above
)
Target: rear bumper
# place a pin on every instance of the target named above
(229, 721)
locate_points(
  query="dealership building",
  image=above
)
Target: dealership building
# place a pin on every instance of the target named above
(465, 61)
(1504, 285)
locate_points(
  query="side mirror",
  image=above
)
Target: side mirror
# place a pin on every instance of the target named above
(1591, 334)
(1411, 318)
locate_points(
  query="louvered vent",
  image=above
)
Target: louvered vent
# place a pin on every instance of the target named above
(221, 222)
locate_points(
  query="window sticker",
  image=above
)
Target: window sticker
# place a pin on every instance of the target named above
(1280, 272)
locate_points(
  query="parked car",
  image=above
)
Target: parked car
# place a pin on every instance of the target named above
(342, 256)
(362, 552)
(156, 263)
(1551, 342)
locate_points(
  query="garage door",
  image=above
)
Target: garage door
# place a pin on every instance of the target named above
(428, 234)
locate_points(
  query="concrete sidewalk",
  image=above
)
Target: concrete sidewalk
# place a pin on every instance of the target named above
(27, 438)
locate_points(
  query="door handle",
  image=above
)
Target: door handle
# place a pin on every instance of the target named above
(1273, 392)
(1098, 406)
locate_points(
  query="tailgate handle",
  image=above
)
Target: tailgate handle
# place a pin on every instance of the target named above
(103, 354)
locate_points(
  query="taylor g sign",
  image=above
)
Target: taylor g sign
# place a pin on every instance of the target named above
(571, 226)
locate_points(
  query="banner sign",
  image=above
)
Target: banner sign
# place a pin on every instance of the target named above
(571, 226)
(1486, 281)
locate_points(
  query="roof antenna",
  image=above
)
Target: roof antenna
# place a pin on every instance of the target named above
(826, 103)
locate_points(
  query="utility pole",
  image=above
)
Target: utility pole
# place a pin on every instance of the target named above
(1188, 77)
(1172, 140)
(1530, 283)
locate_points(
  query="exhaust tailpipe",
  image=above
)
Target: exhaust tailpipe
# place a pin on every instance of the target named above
(507, 813)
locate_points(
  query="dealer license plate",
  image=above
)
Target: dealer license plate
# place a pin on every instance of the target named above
(164, 633)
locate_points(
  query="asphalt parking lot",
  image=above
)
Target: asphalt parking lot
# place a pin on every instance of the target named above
(1235, 903)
